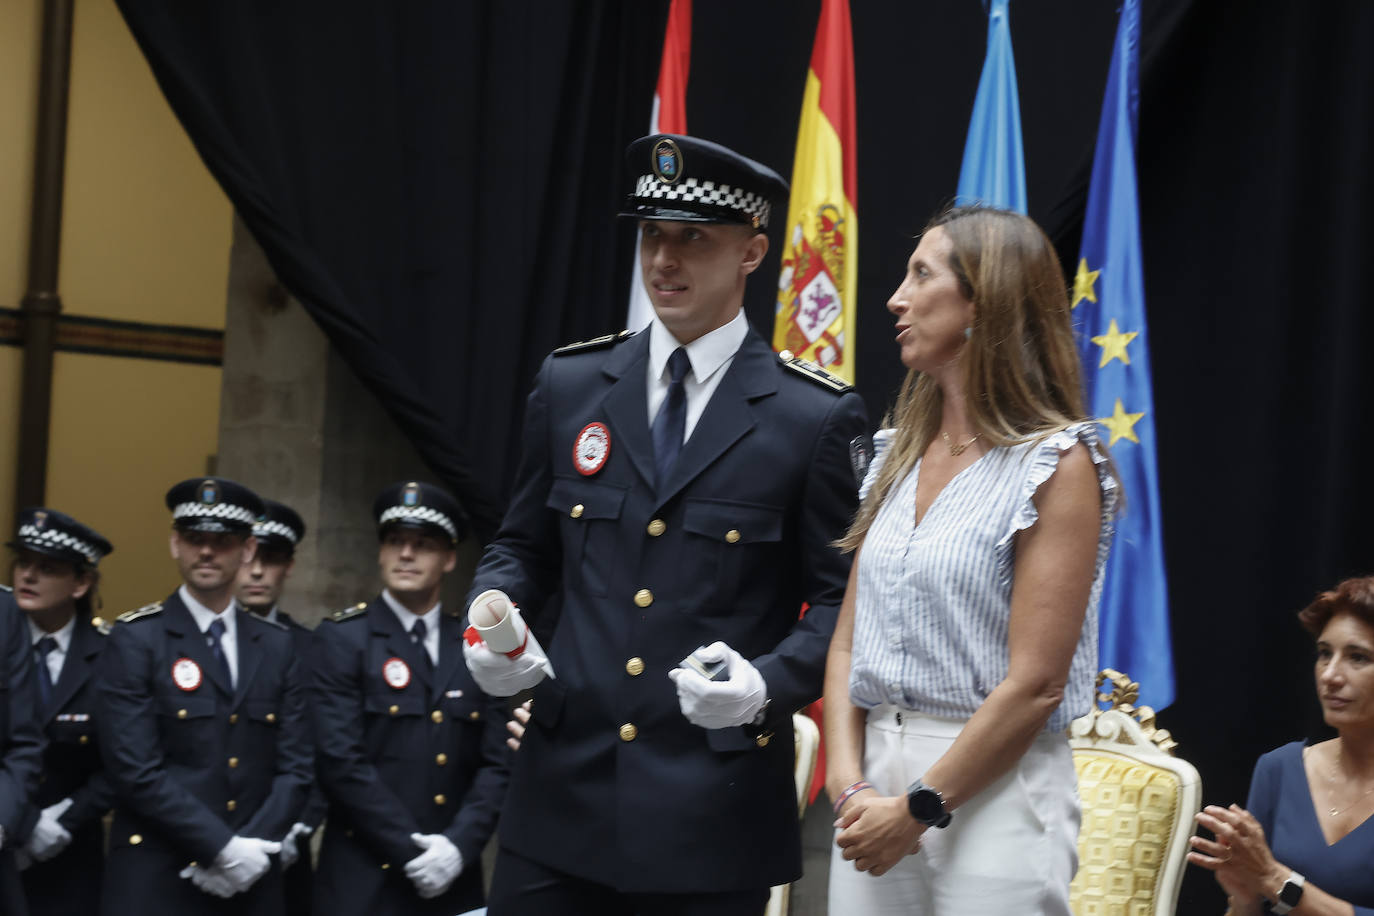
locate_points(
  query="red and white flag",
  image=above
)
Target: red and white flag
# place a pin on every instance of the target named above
(669, 116)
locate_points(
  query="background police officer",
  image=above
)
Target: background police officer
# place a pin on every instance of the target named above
(411, 754)
(203, 728)
(261, 581)
(55, 575)
(680, 489)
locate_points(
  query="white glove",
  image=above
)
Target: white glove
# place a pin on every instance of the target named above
(434, 870)
(500, 675)
(290, 852)
(244, 860)
(720, 704)
(49, 837)
(209, 880)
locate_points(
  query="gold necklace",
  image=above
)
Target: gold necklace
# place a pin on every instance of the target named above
(1335, 781)
(956, 450)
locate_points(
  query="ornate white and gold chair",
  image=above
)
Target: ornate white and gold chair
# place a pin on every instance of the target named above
(1138, 806)
(808, 745)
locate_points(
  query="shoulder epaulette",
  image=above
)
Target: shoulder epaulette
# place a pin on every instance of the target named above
(348, 613)
(812, 372)
(102, 626)
(147, 610)
(596, 343)
(5, 588)
(271, 623)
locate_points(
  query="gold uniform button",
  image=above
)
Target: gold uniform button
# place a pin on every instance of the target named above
(475, 715)
(84, 739)
(576, 511)
(385, 866)
(634, 667)
(393, 709)
(230, 805)
(628, 732)
(436, 717)
(441, 759)
(657, 527)
(440, 800)
(181, 713)
(732, 536)
(233, 763)
(271, 718)
(644, 598)
(234, 718)
(762, 740)
(135, 839)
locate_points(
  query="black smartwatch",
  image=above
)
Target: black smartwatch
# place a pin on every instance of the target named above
(1289, 894)
(927, 805)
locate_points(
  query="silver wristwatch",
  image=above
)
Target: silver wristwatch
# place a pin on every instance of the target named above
(1289, 894)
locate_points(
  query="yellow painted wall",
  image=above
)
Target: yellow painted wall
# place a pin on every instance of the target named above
(145, 237)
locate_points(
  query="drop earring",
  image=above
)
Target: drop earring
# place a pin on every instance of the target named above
(968, 332)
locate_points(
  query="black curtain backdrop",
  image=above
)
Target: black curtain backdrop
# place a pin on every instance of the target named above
(435, 182)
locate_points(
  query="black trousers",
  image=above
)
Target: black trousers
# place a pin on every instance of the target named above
(523, 887)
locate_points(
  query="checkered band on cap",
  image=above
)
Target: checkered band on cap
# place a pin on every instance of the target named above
(691, 190)
(227, 511)
(270, 528)
(50, 537)
(420, 513)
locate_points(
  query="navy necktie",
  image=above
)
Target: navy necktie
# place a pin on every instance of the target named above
(671, 422)
(41, 650)
(212, 639)
(417, 636)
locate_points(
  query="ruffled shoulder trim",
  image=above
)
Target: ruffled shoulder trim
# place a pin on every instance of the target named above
(1044, 460)
(881, 440)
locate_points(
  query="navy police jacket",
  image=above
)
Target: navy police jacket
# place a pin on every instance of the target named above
(70, 881)
(612, 783)
(21, 742)
(193, 762)
(400, 750)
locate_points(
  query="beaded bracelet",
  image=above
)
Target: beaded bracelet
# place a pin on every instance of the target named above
(852, 790)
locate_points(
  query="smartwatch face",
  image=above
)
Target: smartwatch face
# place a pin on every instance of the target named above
(925, 806)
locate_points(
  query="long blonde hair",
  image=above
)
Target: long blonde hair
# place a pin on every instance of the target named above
(1020, 365)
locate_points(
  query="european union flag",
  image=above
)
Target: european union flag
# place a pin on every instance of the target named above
(1109, 316)
(994, 169)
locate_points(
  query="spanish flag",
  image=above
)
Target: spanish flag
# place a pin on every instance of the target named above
(817, 286)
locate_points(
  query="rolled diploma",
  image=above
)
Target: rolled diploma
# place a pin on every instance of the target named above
(498, 622)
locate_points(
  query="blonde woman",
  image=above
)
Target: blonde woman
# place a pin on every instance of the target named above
(968, 638)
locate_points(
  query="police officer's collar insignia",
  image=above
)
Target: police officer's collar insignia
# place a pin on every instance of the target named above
(40, 518)
(410, 494)
(209, 492)
(667, 161)
(592, 448)
(812, 372)
(396, 673)
(186, 674)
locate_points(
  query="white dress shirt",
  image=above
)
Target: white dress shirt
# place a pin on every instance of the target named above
(229, 642)
(710, 356)
(408, 618)
(63, 637)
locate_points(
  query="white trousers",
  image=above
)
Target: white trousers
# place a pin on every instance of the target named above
(1012, 848)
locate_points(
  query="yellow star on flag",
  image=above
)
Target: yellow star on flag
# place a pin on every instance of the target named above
(1083, 283)
(1113, 344)
(1121, 424)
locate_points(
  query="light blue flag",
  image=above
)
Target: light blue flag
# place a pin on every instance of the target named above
(1109, 318)
(994, 169)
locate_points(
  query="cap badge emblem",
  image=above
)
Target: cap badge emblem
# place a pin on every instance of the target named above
(396, 673)
(186, 674)
(209, 492)
(40, 518)
(592, 448)
(667, 161)
(410, 494)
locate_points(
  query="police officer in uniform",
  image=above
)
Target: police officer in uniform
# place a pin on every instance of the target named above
(260, 585)
(410, 754)
(203, 728)
(55, 575)
(21, 745)
(679, 491)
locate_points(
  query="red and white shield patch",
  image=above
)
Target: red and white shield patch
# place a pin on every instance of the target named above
(186, 674)
(396, 673)
(592, 448)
